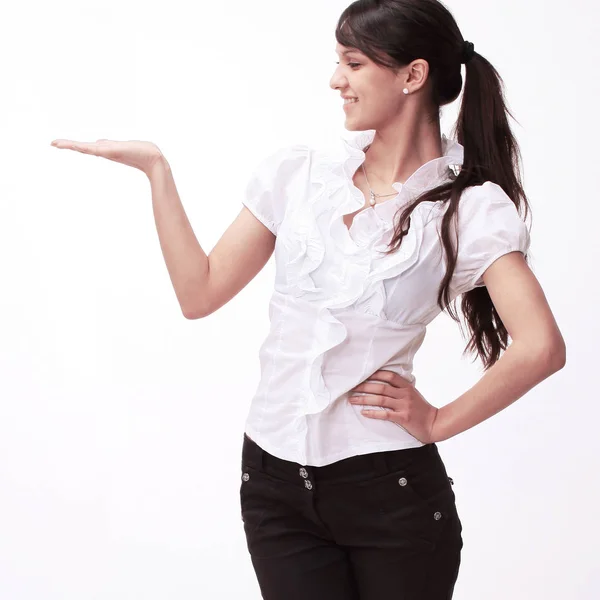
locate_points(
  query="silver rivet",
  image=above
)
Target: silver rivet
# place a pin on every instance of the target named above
(308, 484)
(303, 473)
(437, 515)
(245, 476)
(402, 481)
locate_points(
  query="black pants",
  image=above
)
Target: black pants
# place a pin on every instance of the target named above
(380, 526)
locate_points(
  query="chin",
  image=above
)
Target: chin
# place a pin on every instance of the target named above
(356, 126)
(352, 124)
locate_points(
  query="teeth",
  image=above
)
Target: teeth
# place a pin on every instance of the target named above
(349, 100)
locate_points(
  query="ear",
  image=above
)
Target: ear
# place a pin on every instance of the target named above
(418, 72)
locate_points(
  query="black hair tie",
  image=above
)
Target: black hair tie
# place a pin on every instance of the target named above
(468, 51)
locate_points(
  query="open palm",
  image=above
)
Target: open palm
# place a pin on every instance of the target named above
(133, 153)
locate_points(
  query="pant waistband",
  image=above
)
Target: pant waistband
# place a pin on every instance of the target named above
(348, 469)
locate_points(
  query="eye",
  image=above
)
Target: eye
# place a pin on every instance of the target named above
(351, 64)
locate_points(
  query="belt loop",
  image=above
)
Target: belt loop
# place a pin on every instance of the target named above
(380, 463)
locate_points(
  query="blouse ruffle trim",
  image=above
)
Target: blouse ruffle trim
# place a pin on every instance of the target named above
(364, 269)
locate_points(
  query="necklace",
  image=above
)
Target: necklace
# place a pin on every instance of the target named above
(373, 195)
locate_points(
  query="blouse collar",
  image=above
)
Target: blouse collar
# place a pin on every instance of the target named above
(427, 176)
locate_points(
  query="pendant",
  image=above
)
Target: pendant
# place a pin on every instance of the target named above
(372, 199)
(455, 169)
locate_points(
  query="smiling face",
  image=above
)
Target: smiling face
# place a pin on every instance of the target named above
(378, 90)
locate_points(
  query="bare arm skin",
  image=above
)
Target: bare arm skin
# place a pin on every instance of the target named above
(202, 283)
(537, 350)
(205, 283)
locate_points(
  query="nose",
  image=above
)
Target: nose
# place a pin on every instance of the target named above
(337, 81)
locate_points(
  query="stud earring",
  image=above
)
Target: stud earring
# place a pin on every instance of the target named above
(405, 90)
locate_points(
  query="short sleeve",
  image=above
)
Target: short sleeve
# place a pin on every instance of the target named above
(489, 227)
(276, 179)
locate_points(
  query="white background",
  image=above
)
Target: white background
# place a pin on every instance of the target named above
(121, 422)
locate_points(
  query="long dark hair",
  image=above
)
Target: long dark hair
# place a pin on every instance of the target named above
(393, 33)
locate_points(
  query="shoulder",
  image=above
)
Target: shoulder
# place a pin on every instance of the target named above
(303, 163)
(282, 163)
(488, 196)
(286, 153)
(276, 178)
(487, 208)
(291, 151)
(489, 226)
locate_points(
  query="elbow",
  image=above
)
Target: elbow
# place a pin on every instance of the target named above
(196, 312)
(195, 305)
(544, 358)
(558, 352)
(554, 356)
(560, 357)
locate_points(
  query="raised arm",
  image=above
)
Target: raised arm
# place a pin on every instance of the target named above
(202, 283)
(205, 283)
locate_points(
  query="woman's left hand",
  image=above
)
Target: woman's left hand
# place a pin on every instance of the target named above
(406, 406)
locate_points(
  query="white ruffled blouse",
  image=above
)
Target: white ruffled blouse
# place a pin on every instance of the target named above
(340, 310)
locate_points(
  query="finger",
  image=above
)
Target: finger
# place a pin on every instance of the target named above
(376, 414)
(391, 377)
(84, 147)
(62, 143)
(382, 389)
(374, 400)
(363, 398)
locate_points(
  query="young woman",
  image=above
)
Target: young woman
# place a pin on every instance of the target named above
(340, 502)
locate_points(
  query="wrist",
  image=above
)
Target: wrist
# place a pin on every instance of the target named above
(159, 166)
(437, 433)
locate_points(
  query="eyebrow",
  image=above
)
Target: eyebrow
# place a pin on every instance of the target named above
(348, 51)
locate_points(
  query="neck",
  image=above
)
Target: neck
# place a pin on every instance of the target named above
(398, 150)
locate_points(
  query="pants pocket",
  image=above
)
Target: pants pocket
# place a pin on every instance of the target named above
(259, 494)
(419, 499)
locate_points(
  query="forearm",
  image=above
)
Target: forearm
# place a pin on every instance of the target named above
(514, 374)
(186, 261)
